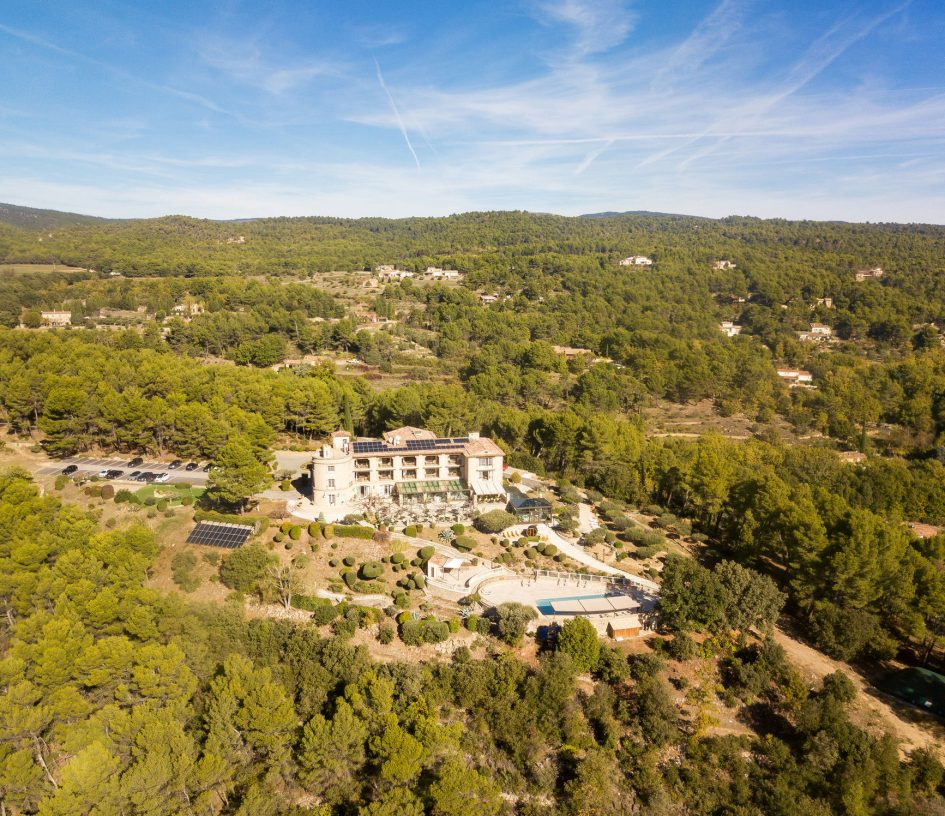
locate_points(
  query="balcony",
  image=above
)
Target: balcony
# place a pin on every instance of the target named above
(386, 461)
(362, 477)
(454, 473)
(362, 464)
(408, 461)
(385, 475)
(408, 474)
(455, 461)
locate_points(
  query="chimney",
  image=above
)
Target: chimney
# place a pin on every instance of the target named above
(474, 434)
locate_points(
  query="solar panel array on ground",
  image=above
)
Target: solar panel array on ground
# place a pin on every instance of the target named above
(219, 534)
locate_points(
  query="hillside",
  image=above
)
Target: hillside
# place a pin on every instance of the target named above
(29, 218)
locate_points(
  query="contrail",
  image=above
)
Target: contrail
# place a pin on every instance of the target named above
(397, 116)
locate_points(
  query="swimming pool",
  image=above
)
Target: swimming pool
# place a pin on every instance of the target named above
(544, 604)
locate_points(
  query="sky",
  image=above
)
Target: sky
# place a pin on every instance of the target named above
(833, 109)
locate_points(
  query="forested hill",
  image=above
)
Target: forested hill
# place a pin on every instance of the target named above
(510, 243)
(33, 219)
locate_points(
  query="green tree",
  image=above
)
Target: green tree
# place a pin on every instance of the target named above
(237, 474)
(245, 567)
(578, 638)
(512, 620)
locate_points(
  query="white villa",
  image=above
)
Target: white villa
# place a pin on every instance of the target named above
(796, 377)
(869, 274)
(387, 272)
(408, 467)
(730, 329)
(817, 333)
(435, 273)
(636, 260)
(724, 265)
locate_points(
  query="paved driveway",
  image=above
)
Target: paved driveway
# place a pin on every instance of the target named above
(90, 466)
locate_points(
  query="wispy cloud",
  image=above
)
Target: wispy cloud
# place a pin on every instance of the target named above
(396, 112)
(599, 25)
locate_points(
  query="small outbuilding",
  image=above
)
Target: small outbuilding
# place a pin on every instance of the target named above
(624, 627)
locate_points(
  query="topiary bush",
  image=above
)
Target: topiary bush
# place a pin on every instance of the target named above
(123, 496)
(464, 543)
(495, 521)
(349, 560)
(328, 531)
(425, 553)
(397, 558)
(410, 530)
(161, 503)
(314, 529)
(459, 529)
(285, 527)
(371, 570)
(295, 532)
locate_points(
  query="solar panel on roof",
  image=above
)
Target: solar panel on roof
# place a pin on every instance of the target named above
(218, 534)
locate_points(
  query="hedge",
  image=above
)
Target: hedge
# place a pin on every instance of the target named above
(350, 531)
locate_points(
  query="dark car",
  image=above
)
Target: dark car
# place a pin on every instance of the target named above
(115, 474)
(148, 476)
(136, 462)
(68, 470)
(133, 477)
(206, 467)
(175, 464)
(191, 466)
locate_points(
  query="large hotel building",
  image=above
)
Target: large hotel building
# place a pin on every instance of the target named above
(407, 467)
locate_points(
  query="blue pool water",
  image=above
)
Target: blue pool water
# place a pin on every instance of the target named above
(544, 604)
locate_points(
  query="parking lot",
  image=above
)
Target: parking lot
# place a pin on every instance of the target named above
(90, 466)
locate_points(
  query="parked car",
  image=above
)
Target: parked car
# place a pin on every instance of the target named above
(136, 462)
(115, 474)
(191, 466)
(103, 474)
(162, 477)
(175, 464)
(68, 470)
(149, 476)
(206, 467)
(133, 477)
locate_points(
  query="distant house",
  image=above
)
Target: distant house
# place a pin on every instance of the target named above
(56, 318)
(818, 332)
(238, 239)
(730, 329)
(869, 274)
(487, 299)
(636, 260)
(796, 377)
(188, 308)
(724, 265)
(826, 302)
(386, 272)
(851, 457)
(624, 627)
(435, 273)
(528, 508)
(114, 274)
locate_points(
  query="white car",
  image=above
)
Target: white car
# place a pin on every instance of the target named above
(162, 477)
(103, 474)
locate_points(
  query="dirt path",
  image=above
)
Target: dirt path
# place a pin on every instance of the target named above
(874, 711)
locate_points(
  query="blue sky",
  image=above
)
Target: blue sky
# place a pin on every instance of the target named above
(822, 109)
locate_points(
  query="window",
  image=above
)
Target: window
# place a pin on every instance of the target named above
(485, 475)
(364, 490)
(485, 461)
(331, 498)
(331, 482)
(331, 468)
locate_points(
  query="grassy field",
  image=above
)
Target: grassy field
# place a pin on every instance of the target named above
(23, 269)
(173, 493)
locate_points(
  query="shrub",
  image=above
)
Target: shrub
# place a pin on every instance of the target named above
(61, 481)
(350, 531)
(397, 558)
(93, 490)
(182, 566)
(278, 538)
(285, 527)
(454, 625)
(187, 500)
(161, 504)
(123, 496)
(295, 533)
(332, 562)
(242, 569)
(212, 558)
(459, 529)
(464, 543)
(401, 600)
(410, 530)
(385, 633)
(349, 560)
(371, 570)
(495, 521)
(419, 581)
(484, 626)
(328, 530)
(350, 578)
(515, 477)
(324, 614)
(549, 550)
(285, 485)
(150, 501)
(472, 623)
(314, 529)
